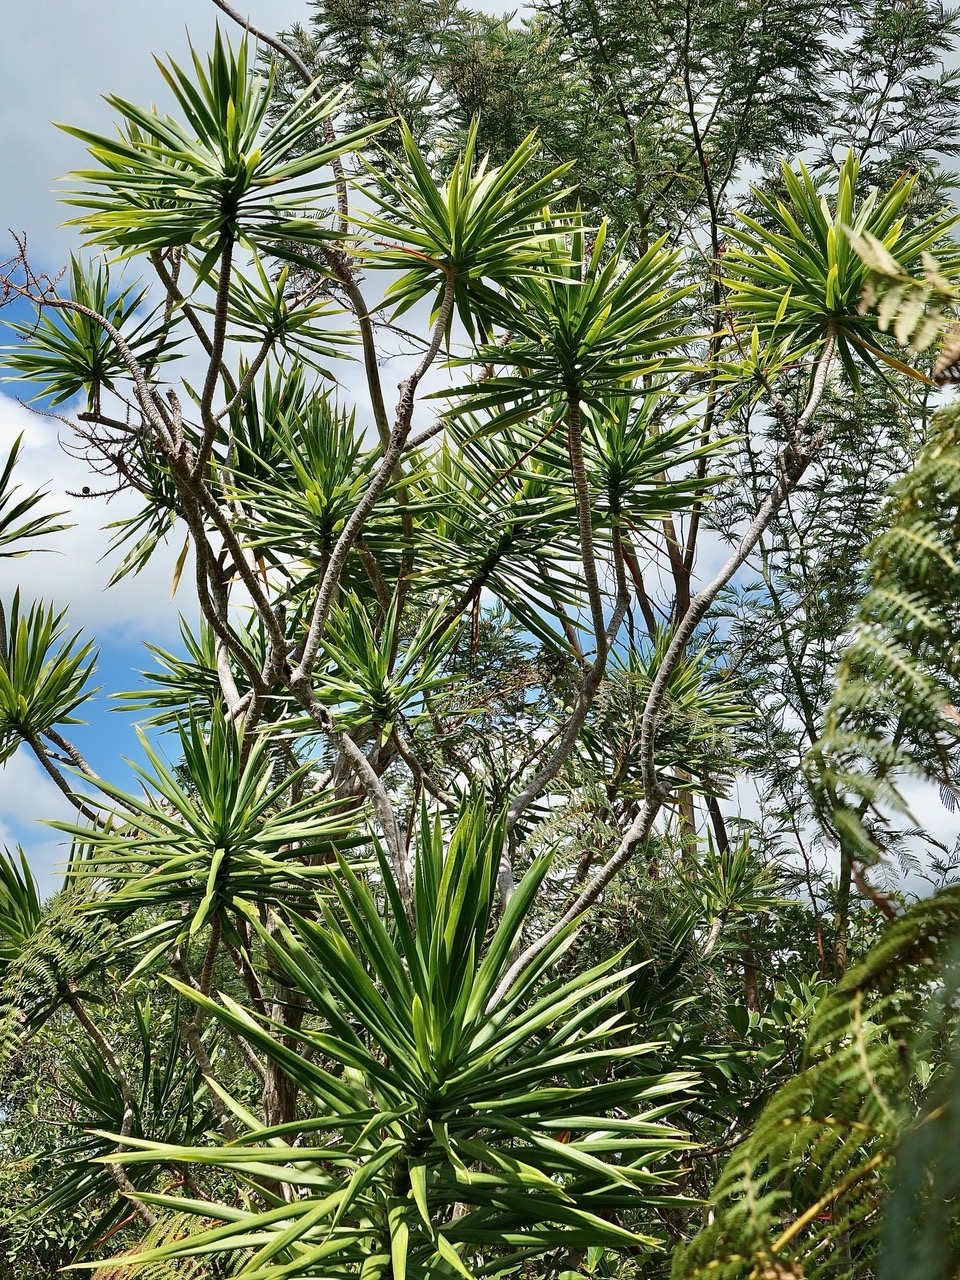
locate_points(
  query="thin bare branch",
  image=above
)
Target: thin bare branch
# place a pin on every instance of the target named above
(351, 530)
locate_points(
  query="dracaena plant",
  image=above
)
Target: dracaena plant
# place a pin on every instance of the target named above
(465, 1122)
(376, 678)
(44, 675)
(586, 325)
(443, 592)
(78, 354)
(301, 483)
(20, 521)
(185, 688)
(499, 521)
(220, 174)
(794, 272)
(209, 838)
(476, 232)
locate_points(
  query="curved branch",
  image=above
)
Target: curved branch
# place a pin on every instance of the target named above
(384, 810)
(407, 755)
(793, 463)
(604, 634)
(218, 624)
(340, 267)
(351, 530)
(36, 746)
(216, 359)
(67, 747)
(581, 491)
(191, 1028)
(150, 406)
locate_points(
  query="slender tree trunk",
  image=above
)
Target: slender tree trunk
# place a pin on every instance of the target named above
(751, 989)
(841, 939)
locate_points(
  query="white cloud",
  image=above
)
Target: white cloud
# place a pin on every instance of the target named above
(73, 574)
(26, 790)
(27, 794)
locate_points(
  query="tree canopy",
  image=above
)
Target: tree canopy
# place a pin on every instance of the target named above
(434, 938)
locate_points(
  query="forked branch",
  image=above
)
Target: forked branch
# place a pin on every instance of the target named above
(793, 462)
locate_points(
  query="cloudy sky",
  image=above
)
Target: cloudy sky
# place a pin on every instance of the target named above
(60, 56)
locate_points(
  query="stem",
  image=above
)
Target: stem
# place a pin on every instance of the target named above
(604, 635)
(150, 406)
(636, 575)
(34, 743)
(340, 267)
(175, 294)
(406, 754)
(74, 754)
(384, 810)
(581, 490)
(191, 1033)
(219, 626)
(209, 960)
(109, 1055)
(244, 568)
(216, 359)
(793, 463)
(571, 731)
(351, 530)
(713, 937)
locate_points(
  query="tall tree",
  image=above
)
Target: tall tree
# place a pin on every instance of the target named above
(665, 113)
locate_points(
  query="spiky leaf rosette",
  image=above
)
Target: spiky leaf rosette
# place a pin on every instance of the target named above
(220, 174)
(795, 276)
(192, 852)
(456, 1126)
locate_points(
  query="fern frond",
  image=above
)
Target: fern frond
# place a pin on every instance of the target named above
(803, 1195)
(173, 1227)
(889, 716)
(65, 943)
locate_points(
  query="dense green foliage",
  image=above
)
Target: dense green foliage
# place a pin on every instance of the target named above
(434, 942)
